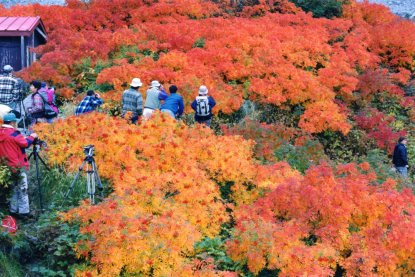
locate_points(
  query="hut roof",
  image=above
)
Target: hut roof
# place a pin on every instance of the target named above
(21, 26)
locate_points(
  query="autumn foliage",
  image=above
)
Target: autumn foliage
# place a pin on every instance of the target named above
(328, 218)
(286, 58)
(174, 185)
(166, 179)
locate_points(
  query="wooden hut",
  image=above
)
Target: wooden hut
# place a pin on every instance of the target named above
(17, 36)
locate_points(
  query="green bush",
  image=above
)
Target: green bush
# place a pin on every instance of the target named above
(321, 8)
(9, 267)
(301, 157)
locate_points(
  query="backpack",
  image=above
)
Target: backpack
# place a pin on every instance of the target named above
(202, 106)
(49, 94)
(49, 112)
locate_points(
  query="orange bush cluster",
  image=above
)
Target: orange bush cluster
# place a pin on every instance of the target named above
(276, 58)
(166, 179)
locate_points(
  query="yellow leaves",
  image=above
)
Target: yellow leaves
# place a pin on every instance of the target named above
(165, 195)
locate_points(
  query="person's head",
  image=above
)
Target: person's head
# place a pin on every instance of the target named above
(7, 69)
(136, 83)
(402, 140)
(10, 119)
(173, 89)
(35, 86)
(155, 84)
(90, 92)
(203, 90)
(43, 84)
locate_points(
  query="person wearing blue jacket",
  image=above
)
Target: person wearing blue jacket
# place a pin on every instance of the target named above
(173, 104)
(400, 157)
(203, 105)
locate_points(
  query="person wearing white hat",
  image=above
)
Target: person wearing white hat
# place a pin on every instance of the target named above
(202, 106)
(154, 95)
(9, 88)
(132, 100)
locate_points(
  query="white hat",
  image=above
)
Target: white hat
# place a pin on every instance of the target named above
(4, 110)
(7, 68)
(155, 83)
(203, 90)
(136, 83)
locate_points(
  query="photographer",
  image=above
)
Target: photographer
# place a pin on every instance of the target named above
(9, 88)
(12, 147)
(89, 103)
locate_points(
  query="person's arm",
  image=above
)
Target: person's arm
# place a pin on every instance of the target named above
(181, 107)
(163, 95)
(212, 102)
(404, 155)
(16, 91)
(194, 105)
(97, 101)
(140, 104)
(23, 142)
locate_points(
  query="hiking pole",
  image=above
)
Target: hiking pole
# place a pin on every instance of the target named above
(37, 144)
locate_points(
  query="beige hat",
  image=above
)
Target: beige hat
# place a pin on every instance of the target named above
(136, 83)
(155, 83)
(203, 90)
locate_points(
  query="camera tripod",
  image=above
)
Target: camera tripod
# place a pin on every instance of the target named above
(35, 154)
(92, 177)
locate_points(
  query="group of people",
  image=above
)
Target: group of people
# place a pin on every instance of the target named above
(42, 108)
(156, 99)
(170, 103)
(38, 106)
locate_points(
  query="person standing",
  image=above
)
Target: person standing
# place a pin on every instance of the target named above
(132, 100)
(400, 157)
(12, 148)
(10, 93)
(90, 103)
(203, 106)
(37, 110)
(173, 104)
(154, 95)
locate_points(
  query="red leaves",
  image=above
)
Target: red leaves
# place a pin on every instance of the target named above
(310, 225)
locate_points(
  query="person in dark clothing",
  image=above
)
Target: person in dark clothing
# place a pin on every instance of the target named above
(173, 104)
(203, 105)
(400, 157)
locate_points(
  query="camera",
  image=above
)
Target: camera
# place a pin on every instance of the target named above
(89, 150)
(40, 143)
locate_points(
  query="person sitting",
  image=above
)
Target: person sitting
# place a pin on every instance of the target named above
(173, 104)
(90, 103)
(203, 106)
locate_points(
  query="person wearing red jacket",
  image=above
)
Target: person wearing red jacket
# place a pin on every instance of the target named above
(12, 148)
